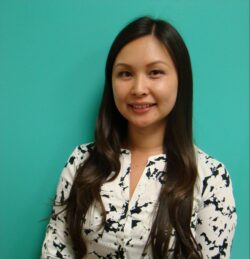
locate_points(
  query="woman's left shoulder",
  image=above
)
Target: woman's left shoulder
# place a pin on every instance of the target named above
(208, 166)
(214, 182)
(214, 205)
(213, 175)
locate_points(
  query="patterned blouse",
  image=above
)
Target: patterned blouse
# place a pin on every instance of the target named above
(128, 222)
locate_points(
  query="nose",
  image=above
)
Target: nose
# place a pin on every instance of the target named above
(140, 86)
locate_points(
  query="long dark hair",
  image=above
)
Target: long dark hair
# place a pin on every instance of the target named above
(176, 196)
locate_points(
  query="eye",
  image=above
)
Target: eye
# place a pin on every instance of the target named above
(124, 74)
(155, 73)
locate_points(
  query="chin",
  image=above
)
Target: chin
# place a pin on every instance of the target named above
(142, 125)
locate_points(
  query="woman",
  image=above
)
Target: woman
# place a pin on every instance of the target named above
(142, 189)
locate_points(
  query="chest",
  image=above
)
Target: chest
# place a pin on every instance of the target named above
(128, 216)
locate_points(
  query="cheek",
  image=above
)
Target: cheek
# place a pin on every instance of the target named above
(119, 92)
(173, 90)
(118, 98)
(168, 97)
(168, 89)
(116, 95)
(173, 97)
(114, 89)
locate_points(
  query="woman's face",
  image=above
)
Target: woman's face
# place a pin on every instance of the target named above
(145, 83)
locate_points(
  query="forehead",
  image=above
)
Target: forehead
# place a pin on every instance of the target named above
(146, 49)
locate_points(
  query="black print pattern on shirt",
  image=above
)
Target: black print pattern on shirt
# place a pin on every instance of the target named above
(128, 222)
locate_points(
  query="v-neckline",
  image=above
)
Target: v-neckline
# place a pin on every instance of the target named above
(140, 187)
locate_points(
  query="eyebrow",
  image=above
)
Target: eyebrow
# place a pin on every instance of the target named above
(148, 65)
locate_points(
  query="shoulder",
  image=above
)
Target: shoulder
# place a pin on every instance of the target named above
(79, 154)
(208, 165)
(75, 160)
(212, 173)
(214, 205)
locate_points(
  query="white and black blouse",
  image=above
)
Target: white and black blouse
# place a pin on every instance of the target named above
(128, 222)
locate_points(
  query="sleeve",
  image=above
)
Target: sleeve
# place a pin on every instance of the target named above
(217, 217)
(57, 242)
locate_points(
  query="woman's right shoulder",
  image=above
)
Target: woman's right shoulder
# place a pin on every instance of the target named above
(75, 160)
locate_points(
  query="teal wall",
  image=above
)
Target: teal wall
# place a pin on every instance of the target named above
(52, 56)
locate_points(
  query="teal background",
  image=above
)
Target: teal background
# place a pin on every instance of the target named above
(52, 56)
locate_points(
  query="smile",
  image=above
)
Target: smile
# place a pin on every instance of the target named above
(141, 106)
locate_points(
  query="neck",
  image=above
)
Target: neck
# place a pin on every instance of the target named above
(147, 141)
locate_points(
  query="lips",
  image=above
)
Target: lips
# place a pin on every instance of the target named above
(141, 107)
